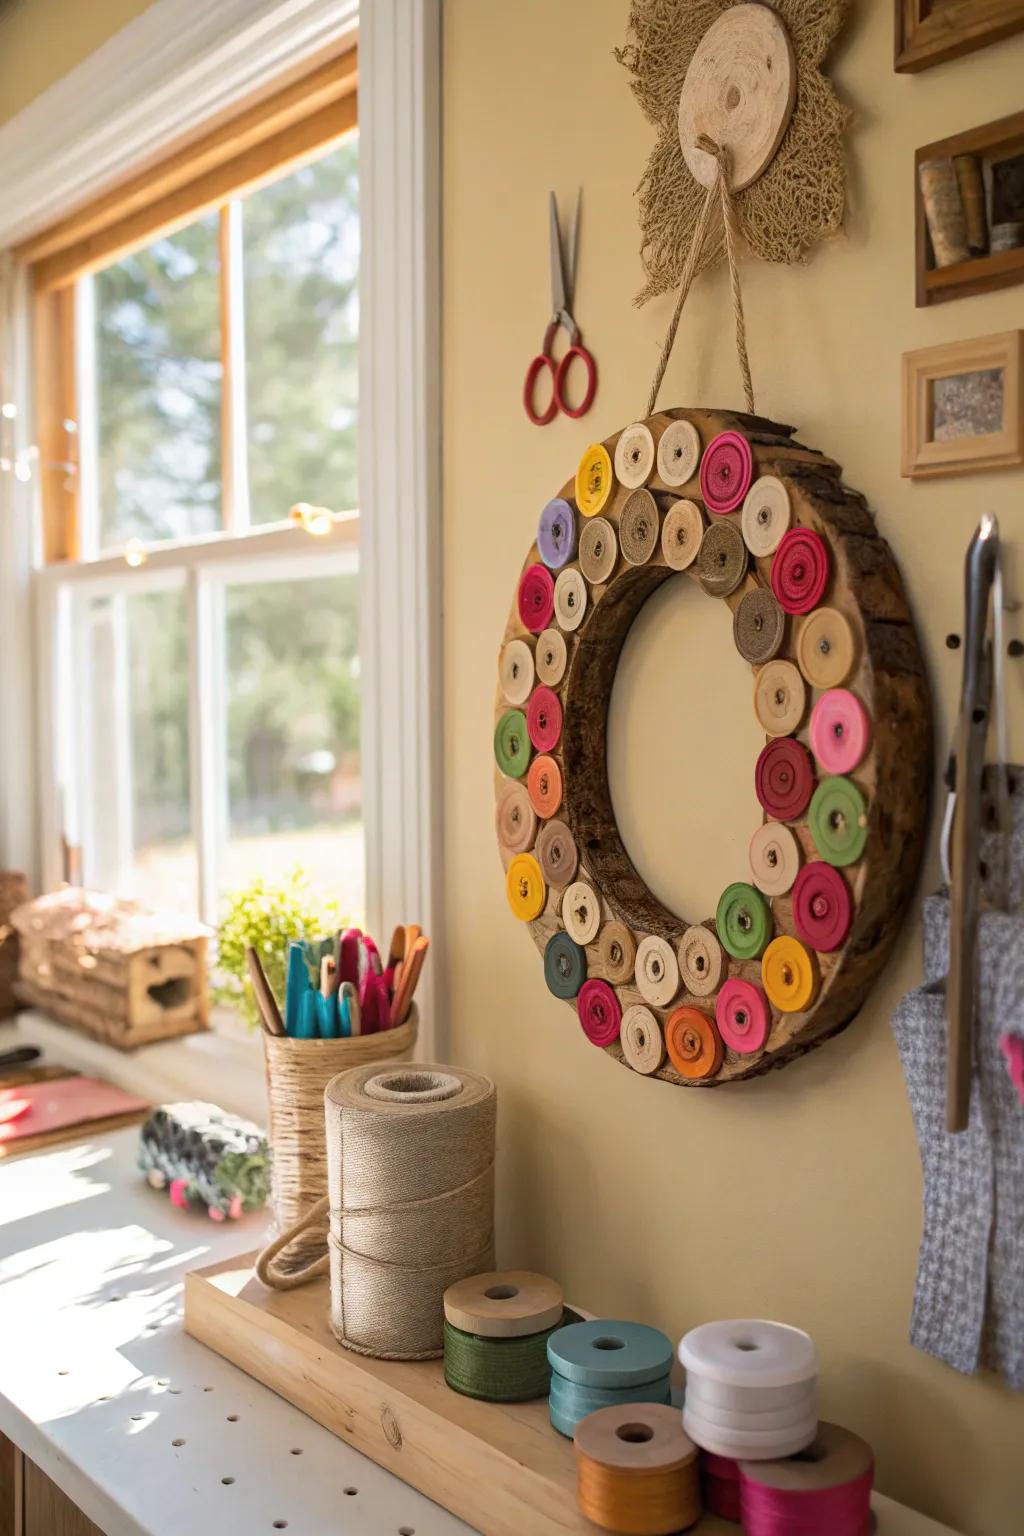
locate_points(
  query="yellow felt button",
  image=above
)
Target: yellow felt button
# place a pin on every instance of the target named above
(525, 887)
(789, 974)
(593, 480)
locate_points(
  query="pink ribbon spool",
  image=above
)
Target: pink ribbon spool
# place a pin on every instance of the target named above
(536, 598)
(599, 1011)
(800, 570)
(721, 1486)
(840, 730)
(841, 1511)
(784, 779)
(822, 907)
(743, 1016)
(544, 719)
(726, 471)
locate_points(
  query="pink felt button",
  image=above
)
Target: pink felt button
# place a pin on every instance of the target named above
(840, 730)
(536, 598)
(800, 570)
(544, 719)
(822, 907)
(725, 472)
(599, 1011)
(742, 1016)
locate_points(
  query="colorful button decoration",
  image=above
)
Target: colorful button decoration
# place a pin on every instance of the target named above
(544, 719)
(634, 455)
(536, 598)
(550, 658)
(556, 534)
(657, 971)
(512, 744)
(725, 472)
(774, 858)
(678, 452)
(516, 671)
(789, 975)
(641, 1039)
(616, 953)
(780, 698)
(741, 1012)
(570, 599)
(800, 570)
(693, 1043)
(593, 480)
(822, 907)
(784, 779)
(544, 786)
(681, 533)
(557, 854)
(840, 730)
(839, 821)
(525, 888)
(599, 550)
(721, 559)
(639, 528)
(565, 966)
(766, 516)
(516, 818)
(599, 1011)
(743, 920)
(701, 961)
(581, 912)
(825, 648)
(758, 626)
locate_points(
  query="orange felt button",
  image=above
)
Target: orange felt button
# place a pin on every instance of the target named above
(693, 1043)
(544, 786)
(789, 974)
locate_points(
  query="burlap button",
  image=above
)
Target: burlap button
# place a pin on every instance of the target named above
(641, 1040)
(581, 912)
(616, 953)
(515, 819)
(639, 527)
(544, 786)
(825, 648)
(515, 671)
(693, 1043)
(779, 698)
(774, 858)
(570, 599)
(766, 515)
(557, 854)
(593, 480)
(634, 455)
(550, 658)
(701, 961)
(525, 888)
(722, 559)
(657, 971)
(758, 627)
(681, 533)
(678, 452)
(599, 550)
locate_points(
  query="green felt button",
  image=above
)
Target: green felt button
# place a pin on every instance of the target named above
(565, 965)
(744, 921)
(839, 821)
(512, 744)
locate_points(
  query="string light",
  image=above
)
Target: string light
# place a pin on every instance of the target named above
(135, 553)
(315, 520)
(23, 459)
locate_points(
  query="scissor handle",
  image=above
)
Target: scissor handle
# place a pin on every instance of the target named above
(561, 378)
(542, 363)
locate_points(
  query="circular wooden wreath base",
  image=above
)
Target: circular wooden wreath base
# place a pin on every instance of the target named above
(887, 677)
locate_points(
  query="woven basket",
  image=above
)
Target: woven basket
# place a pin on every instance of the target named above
(298, 1071)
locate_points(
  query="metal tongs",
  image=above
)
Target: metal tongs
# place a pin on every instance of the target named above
(982, 648)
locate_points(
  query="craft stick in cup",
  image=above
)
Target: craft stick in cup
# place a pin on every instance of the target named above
(266, 1002)
(410, 976)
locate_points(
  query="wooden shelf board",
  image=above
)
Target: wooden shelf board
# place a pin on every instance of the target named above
(983, 272)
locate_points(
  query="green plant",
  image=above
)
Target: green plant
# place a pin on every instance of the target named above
(268, 917)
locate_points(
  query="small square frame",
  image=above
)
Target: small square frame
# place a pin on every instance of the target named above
(930, 31)
(922, 457)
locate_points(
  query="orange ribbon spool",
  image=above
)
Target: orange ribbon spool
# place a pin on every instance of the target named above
(693, 1043)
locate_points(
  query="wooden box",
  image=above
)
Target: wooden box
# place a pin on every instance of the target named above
(126, 975)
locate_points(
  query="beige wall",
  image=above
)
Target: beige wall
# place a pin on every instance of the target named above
(798, 1196)
(41, 40)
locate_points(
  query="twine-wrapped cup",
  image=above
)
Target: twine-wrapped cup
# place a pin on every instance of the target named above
(298, 1072)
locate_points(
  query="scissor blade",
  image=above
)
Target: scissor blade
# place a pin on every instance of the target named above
(558, 297)
(570, 260)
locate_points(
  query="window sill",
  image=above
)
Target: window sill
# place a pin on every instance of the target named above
(223, 1066)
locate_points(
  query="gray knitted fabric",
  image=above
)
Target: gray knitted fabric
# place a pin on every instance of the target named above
(969, 1299)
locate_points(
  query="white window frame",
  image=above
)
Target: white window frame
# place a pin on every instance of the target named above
(174, 68)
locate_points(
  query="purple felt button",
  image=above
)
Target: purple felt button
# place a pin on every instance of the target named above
(556, 535)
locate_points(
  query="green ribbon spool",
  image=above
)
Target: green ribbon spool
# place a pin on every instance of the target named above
(838, 818)
(565, 966)
(744, 921)
(499, 1370)
(512, 744)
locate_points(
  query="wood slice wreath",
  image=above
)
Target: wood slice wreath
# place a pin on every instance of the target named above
(735, 503)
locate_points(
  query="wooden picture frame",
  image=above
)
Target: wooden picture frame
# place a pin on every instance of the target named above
(937, 400)
(995, 146)
(931, 31)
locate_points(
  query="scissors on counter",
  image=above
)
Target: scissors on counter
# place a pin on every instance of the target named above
(563, 279)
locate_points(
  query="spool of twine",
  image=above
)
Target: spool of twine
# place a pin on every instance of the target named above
(500, 1370)
(944, 211)
(297, 1073)
(636, 1471)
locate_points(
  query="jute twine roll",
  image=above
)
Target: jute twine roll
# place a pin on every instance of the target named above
(298, 1071)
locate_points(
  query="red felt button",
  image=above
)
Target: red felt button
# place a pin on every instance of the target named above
(725, 472)
(544, 719)
(599, 1011)
(536, 598)
(822, 907)
(800, 570)
(784, 779)
(743, 1016)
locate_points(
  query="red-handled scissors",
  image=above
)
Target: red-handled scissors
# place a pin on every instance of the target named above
(563, 279)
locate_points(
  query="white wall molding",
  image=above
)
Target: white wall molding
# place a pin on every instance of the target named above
(399, 472)
(176, 66)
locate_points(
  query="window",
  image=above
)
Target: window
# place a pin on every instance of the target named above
(201, 383)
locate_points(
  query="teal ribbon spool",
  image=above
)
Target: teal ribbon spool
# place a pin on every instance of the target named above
(565, 966)
(598, 1363)
(569, 1402)
(499, 1370)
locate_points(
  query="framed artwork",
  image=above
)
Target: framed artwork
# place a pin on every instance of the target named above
(929, 31)
(969, 211)
(962, 407)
